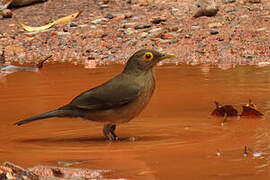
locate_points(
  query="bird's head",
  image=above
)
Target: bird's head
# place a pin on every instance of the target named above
(144, 60)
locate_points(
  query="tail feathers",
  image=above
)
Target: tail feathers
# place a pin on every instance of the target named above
(50, 114)
(40, 64)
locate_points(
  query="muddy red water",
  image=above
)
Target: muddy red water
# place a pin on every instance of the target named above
(174, 137)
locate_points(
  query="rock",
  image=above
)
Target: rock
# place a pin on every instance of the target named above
(73, 24)
(6, 13)
(158, 20)
(128, 25)
(130, 31)
(16, 3)
(143, 34)
(213, 31)
(109, 16)
(168, 36)
(254, 1)
(105, 1)
(228, 1)
(59, 33)
(142, 26)
(195, 27)
(98, 21)
(260, 29)
(128, 15)
(103, 6)
(206, 8)
(214, 25)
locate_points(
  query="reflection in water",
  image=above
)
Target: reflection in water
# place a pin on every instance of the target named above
(173, 137)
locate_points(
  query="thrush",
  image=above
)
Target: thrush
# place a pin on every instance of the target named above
(118, 100)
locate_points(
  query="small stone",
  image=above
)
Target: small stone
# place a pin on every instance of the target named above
(143, 34)
(214, 25)
(103, 6)
(98, 21)
(195, 27)
(260, 29)
(109, 16)
(142, 26)
(254, 1)
(6, 13)
(130, 31)
(230, 10)
(206, 8)
(213, 31)
(128, 15)
(73, 24)
(106, 1)
(62, 33)
(158, 20)
(229, 1)
(168, 36)
(128, 25)
(244, 16)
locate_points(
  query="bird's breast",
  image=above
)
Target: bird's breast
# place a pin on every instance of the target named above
(128, 111)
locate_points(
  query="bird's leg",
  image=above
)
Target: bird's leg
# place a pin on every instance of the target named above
(113, 127)
(107, 131)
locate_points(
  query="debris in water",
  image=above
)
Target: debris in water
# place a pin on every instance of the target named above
(218, 153)
(245, 151)
(223, 111)
(250, 110)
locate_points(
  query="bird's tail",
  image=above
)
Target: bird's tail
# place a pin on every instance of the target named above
(50, 114)
(40, 64)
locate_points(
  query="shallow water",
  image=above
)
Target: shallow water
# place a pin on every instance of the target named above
(173, 138)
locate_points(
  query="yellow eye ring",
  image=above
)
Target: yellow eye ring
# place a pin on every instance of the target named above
(148, 56)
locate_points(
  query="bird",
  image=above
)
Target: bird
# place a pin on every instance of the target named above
(116, 101)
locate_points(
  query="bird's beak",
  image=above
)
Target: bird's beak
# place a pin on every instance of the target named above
(166, 56)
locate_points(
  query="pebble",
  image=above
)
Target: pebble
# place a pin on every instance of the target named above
(158, 20)
(213, 31)
(60, 33)
(109, 16)
(214, 25)
(98, 21)
(206, 8)
(260, 29)
(6, 13)
(143, 34)
(73, 24)
(142, 26)
(229, 1)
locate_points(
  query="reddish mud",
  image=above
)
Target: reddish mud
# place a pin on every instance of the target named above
(174, 138)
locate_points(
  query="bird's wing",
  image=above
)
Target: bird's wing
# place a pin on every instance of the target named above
(114, 93)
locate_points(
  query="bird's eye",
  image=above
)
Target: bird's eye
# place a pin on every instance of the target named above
(148, 56)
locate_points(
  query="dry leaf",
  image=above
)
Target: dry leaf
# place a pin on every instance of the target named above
(221, 111)
(67, 19)
(64, 20)
(29, 28)
(250, 110)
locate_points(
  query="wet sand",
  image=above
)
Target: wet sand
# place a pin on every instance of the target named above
(174, 138)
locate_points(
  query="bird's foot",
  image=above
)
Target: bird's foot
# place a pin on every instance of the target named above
(109, 132)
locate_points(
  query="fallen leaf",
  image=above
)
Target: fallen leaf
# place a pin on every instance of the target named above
(221, 111)
(64, 20)
(250, 110)
(29, 28)
(68, 19)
